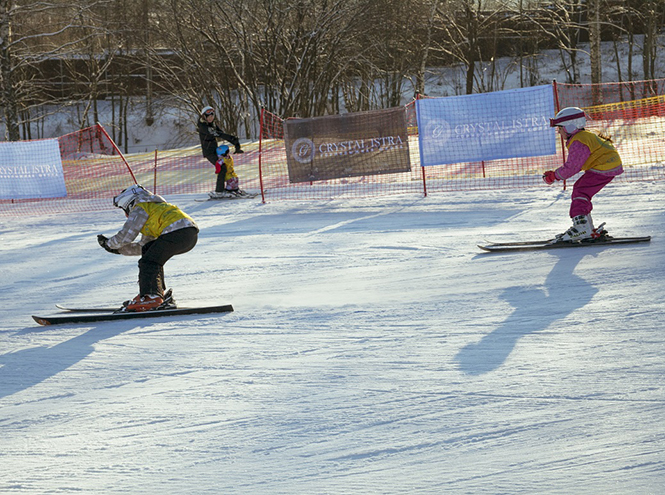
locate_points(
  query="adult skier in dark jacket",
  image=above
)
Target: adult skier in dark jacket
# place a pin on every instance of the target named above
(209, 132)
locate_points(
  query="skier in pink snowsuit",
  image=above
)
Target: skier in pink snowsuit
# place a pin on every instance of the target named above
(596, 156)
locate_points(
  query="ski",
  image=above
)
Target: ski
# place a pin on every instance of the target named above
(553, 244)
(168, 300)
(86, 310)
(96, 315)
(226, 198)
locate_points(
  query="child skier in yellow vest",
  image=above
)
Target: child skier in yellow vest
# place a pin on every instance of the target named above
(166, 231)
(596, 156)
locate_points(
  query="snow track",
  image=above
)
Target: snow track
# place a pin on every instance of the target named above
(373, 349)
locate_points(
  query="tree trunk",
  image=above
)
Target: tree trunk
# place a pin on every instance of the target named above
(594, 44)
(471, 47)
(7, 95)
(149, 112)
(420, 76)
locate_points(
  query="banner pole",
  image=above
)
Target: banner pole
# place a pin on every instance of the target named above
(422, 169)
(556, 109)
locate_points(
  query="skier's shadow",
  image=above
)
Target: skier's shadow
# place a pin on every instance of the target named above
(23, 369)
(536, 308)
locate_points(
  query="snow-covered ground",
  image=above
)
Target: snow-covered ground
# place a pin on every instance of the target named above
(373, 349)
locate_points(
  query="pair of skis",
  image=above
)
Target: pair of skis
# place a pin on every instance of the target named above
(92, 315)
(605, 240)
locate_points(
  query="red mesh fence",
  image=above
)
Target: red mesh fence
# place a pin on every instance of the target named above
(277, 184)
(633, 114)
(95, 171)
(186, 171)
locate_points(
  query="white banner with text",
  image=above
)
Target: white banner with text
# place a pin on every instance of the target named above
(31, 170)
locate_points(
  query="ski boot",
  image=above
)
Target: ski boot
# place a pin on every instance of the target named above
(169, 301)
(144, 303)
(582, 229)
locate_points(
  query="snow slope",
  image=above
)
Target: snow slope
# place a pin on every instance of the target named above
(374, 349)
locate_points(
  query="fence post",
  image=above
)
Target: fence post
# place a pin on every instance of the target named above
(422, 169)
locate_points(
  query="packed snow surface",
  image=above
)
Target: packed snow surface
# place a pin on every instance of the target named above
(373, 349)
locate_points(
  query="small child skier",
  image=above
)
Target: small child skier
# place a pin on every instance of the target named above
(596, 156)
(227, 179)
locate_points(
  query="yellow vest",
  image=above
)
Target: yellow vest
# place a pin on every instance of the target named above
(160, 216)
(230, 171)
(604, 155)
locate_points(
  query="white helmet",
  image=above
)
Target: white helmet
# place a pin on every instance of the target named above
(570, 118)
(129, 197)
(206, 109)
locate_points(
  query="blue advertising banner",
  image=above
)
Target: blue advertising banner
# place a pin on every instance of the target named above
(31, 170)
(486, 126)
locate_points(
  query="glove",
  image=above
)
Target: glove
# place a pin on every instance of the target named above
(550, 177)
(238, 150)
(103, 242)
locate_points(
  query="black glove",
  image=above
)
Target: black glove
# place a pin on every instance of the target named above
(103, 242)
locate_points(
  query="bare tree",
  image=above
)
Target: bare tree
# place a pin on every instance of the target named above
(33, 35)
(286, 56)
(467, 33)
(427, 43)
(653, 16)
(293, 57)
(566, 22)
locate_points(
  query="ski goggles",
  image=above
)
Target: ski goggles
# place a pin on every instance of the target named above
(566, 118)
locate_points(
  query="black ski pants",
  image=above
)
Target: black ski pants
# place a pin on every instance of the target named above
(156, 253)
(220, 184)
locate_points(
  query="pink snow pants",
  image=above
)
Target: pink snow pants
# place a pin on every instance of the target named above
(584, 189)
(232, 184)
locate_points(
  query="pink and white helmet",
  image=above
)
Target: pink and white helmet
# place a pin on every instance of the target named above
(570, 118)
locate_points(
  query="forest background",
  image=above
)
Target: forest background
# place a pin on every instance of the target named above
(295, 58)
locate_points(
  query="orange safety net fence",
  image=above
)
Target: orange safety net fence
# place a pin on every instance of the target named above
(632, 113)
(95, 171)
